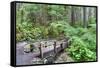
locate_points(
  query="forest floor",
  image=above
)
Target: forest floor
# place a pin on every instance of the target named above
(63, 57)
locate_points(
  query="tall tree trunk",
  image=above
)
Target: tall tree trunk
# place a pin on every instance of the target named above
(72, 15)
(81, 16)
(84, 17)
(44, 14)
(67, 14)
(22, 14)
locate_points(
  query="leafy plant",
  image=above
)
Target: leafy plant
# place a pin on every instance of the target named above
(79, 51)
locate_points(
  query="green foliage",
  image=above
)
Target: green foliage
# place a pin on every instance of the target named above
(92, 20)
(30, 28)
(90, 40)
(83, 45)
(54, 30)
(80, 52)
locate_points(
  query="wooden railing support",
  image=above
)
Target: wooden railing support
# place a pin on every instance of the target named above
(41, 52)
(55, 50)
(61, 45)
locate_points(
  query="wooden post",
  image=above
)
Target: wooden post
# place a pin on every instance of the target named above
(41, 52)
(61, 45)
(55, 50)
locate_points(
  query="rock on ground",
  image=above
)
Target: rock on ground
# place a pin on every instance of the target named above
(63, 57)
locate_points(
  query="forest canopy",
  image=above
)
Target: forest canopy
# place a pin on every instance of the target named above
(43, 21)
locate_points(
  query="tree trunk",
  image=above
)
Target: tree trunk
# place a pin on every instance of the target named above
(44, 14)
(72, 15)
(85, 17)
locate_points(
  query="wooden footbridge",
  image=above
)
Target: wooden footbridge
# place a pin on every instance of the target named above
(44, 49)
